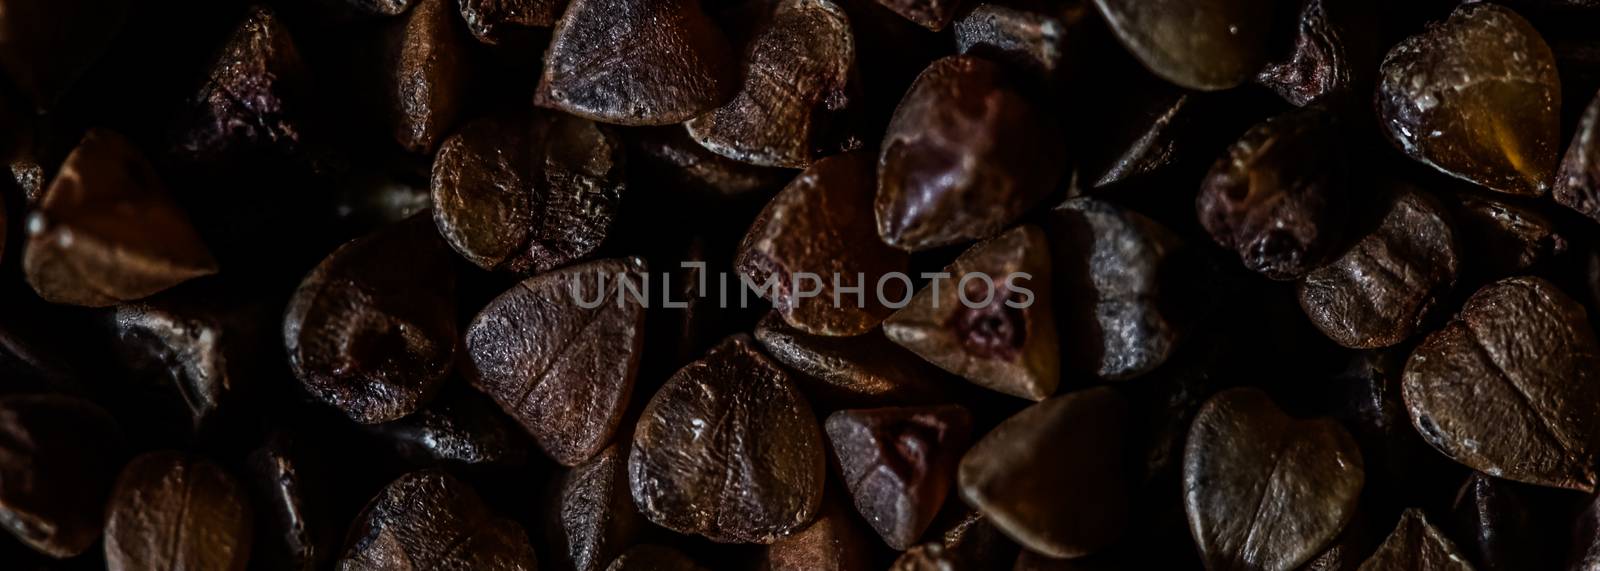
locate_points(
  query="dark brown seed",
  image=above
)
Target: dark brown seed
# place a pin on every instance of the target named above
(173, 511)
(670, 153)
(1498, 526)
(592, 519)
(1509, 388)
(1264, 490)
(1577, 184)
(58, 456)
(1477, 97)
(426, 68)
(209, 350)
(1031, 40)
(1120, 269)
(1506, 237)
(1346, 552)
(46, 46)
(860, 370)
(1277, 198)
(107, 231)
(527, 192)
(492, 20)
(899, 463)
(1380, 292)
(559, 352)
(991, 320)
(654, 558)
(1199, 44)
(1151, 138)
(1321, 61)
(297, 535)
(965, 155)
(821, 225)
(1070, 502)
(729, 450)
(460, 426)
(430, 520)
(931, 14)
(254, 94)
(636, 62)
(1416, 545)
(836, 541)
(372, 330)
(798, 77)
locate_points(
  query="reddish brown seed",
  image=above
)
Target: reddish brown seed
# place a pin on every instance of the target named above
(1477, 97)
(931, 14)
(1070, 502)
(836, 541)
(798, 74)
(965, 155)
(1264, 490)
(1379, 292)
(254, 94)
(1509, 388)
(1329, 53)
(821, 224)
(1199, 44)
(58, 457)
(430, 520)
(492, 20)
(990, 320)
(527, 193)
(899, 463)
(1277, 198)
(592, 519)
(426, 75)
(173, 511)
(729, 450)
(636, 62)
(372, 330)
(1577, 183)
(559, 351)
(866, 369)
(107, 231)
(1416, 544)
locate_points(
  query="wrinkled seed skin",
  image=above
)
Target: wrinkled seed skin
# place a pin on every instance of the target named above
(899, 463)
(430, 520)
(1035, 41)
(1320, 62)
(1477, 97)
(1263, 490)
(565, 372)
(636, 62)
(1510, 387)
(172, 511)
(1577, 184)
(427, 75)
(797, 78)
(1007, 349)
(1276, 198)
(253, 95)
(527, 193)
(58, 458)
(728, 450)
(821, 223)
(593, 519)
(1068, 503)
(931, 14)
(490, 20)
(965, 155)
(1380, 291)
(1205, 45)
(372, 330)
(1118, 267)
(1415, 544)
(107, 231)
